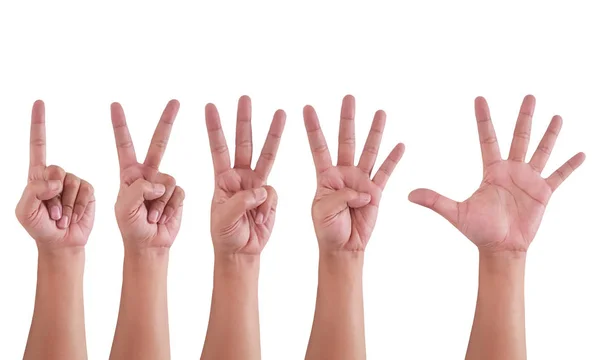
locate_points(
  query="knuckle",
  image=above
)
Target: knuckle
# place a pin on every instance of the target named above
(244, 143)
(268, 156)
(219, 149)
(320, 149)
(159, 143)
(489, 140)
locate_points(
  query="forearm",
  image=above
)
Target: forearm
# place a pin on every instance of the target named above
(233, 328)
(57, 328)
(498, 331)
(143, 326)
(338, 327)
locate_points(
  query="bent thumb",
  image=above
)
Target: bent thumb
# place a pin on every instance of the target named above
(35, 192)
(243, 201)
(138, 192)
(344, 198)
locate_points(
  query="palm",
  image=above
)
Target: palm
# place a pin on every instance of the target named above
(507, 209)
(244, 233)
(241, 222)
(347, 199)
(351, 225)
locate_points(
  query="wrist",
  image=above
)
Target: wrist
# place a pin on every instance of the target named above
(236, 265)
(61, 256)
(341, 263)
(502, 261)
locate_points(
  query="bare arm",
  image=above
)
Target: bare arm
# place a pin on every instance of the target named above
(143, 327)
(499, 326)
(57, 329)
(233, 328)
(338, 329)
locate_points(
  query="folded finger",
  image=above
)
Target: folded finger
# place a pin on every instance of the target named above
(85, 196)
(157, 206)
(173, 206)
(69, 195)
(263, 211)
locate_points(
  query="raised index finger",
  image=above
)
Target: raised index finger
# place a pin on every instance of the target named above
(158, 145)
(37, 140)
(490, 152)
(125, 149)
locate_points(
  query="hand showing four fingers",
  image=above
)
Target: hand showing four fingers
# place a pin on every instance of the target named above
(243, 206)
(57, 208)
(345, 206)
(150, 204)
(505, 213)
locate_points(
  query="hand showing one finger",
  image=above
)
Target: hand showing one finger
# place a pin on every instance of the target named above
(56, 208)
(243, 207)
(150, 204)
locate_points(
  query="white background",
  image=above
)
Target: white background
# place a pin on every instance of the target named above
(422, 62)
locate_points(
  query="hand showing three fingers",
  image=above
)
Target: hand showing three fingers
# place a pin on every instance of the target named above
(345, 206)
(243, 206)
(505, 213)
(57, 208)
(150, 204)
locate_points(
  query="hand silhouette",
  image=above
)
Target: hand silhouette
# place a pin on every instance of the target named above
(505, 213)
(243, 207)
(345, 207)
(150, 204)
(57, 208)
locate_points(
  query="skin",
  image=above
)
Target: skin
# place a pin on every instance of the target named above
(242, 218)
(344, 212)
(501, 218)
(57, 210)
(148, 211)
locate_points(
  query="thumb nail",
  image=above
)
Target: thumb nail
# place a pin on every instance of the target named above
(54, 185)
(365, 197)
(159, 189)
(260, 194)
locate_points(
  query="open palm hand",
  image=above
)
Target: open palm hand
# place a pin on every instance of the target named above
(506, 211)
(347, 199)
(243, 207)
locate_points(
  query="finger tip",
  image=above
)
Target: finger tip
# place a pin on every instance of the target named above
(349, 97)
(244, 98)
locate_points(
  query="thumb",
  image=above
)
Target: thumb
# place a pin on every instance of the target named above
(138, 192)
(36, 192)
(241, 202)
(439, 203)
(344, 198)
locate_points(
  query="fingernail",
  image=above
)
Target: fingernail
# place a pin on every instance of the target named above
(75, 217)
(159, 189)
(54, 185)
(55, 213)
(63, 223)
(365, 197)
(153, 216)
(260, 194)
(163, 219)
(259, 218)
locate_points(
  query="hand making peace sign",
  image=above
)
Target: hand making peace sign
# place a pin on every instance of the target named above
(345, 207)
(505, 213)
(243, 207)
(57, 208)
(150, 204)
